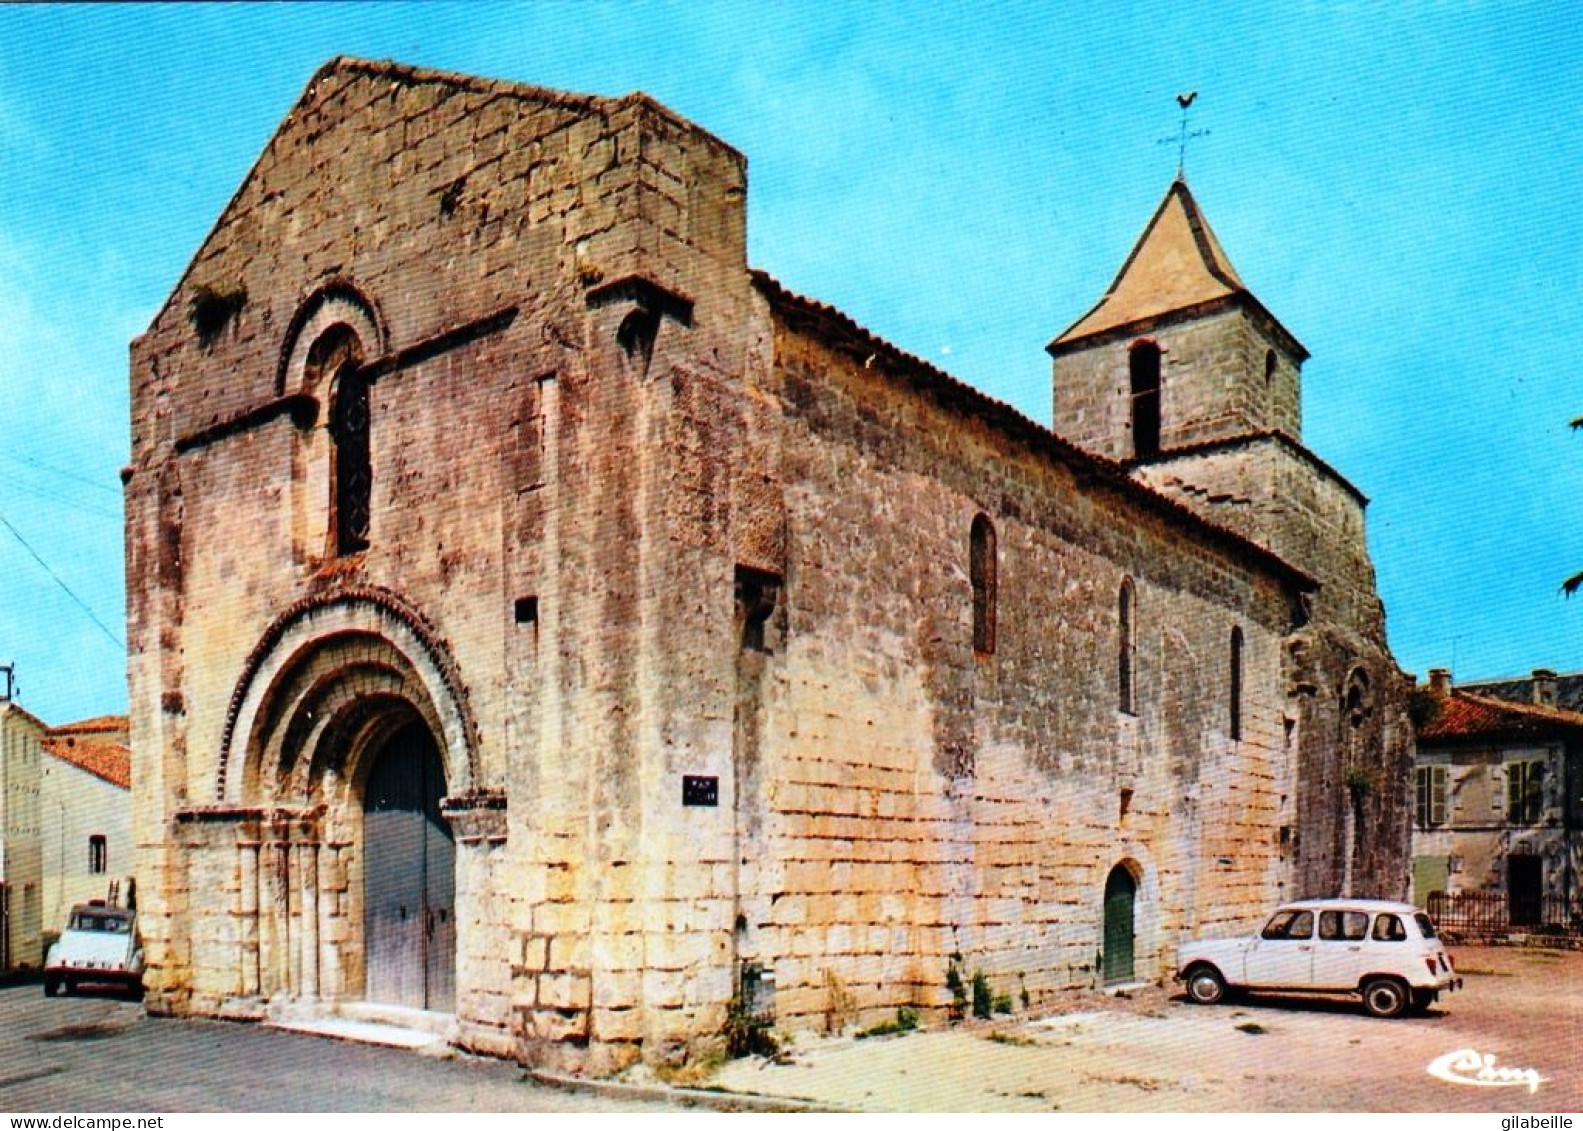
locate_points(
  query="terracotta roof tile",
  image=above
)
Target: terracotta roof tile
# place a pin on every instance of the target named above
(1462, 715)
(108, 761)
(99, 724)
(1177, 264)
(839, 331)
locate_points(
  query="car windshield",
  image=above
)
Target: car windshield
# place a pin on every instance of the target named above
(1426, 925)
(1290, 925)
(110, 924)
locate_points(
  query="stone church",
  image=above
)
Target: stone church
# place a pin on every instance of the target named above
(547, 627)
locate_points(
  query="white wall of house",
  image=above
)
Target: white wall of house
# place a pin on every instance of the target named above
(78, 806)
(21, 863)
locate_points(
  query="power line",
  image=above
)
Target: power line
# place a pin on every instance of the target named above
(114, 639)
(69, 501)
(39, 465)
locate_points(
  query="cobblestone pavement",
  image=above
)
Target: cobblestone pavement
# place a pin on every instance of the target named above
(101, 1054)
(1157, 1052)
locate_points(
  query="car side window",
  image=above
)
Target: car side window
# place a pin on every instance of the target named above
(1343, 926)
(1388, 928)
(1289, 925)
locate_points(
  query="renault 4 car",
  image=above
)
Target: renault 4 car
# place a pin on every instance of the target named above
(1385, 953)
(100, 946)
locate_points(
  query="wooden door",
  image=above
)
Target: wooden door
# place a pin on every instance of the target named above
(1120, 893)
(409, 877)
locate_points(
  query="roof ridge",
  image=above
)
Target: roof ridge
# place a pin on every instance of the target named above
(1516, 707)
(412, 72)
(1074, 456)
(1174, 265)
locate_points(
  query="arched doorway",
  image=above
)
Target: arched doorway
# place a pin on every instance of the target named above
(409, 876)
(1121, 892)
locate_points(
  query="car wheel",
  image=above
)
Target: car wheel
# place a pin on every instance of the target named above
(1385, 997)
(51, 986)
(1205, 985)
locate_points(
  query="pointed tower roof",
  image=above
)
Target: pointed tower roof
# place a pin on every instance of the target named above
(1176, 265)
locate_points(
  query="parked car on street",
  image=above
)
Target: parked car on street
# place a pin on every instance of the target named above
(100, 946)
(1386, 953)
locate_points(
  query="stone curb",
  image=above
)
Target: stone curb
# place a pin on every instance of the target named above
(691, 1097)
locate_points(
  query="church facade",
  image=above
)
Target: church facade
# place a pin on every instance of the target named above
(545, 624)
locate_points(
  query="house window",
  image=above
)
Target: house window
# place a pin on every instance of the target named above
(1236, 684)
(1429, 783)
(1269, 365)
(1144, 363)
(1125, 699)
(98, 855)
(1525, 792)
(982, 569)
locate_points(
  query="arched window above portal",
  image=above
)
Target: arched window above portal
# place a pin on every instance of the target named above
(327, 315)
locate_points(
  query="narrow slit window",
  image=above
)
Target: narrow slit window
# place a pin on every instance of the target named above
(98, 855)
(1235, 720)
(1125, 698)
(982, 569)
(1145, 367)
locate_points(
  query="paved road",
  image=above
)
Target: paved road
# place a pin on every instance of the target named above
(101, 1054)
(1157, 1052)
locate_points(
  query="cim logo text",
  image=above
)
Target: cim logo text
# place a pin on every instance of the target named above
(1468, 1066)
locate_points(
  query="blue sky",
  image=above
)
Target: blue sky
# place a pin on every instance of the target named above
(1400, 184)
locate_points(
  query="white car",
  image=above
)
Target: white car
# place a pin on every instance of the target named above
(1387, 953)
(99, 946)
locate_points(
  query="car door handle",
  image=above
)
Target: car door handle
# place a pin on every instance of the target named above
(1305, 946)
(1354, 948)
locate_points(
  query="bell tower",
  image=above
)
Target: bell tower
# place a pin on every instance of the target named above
(1177, 353)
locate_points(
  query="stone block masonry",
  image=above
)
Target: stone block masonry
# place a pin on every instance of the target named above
(540, 619)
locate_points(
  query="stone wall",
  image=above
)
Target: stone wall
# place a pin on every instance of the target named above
(512, 262)
(636, 520)
(1212, 382)
(917, 800)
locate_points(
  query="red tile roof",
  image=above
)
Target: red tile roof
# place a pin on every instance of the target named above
(1176, 265)
(108, 761)
(99, 724)
(1462, 715)
(837, 330)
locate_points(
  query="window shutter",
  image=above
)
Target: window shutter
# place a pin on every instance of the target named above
(1437, 795)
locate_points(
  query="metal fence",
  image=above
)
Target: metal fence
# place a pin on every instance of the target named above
(1497, 913)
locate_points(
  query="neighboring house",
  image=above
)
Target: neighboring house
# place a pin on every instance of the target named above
(87, 815)
(1498, 786)
(540, 619)
(1544, 687)
(21, 853)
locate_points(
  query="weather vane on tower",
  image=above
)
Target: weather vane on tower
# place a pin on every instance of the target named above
(1182, 136)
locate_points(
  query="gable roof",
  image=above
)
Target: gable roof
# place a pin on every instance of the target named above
(1177, 265)
(98, 725)
(107, 761)
(838, 331)
(1569, 689)
(1461, 716)
(300, 126)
